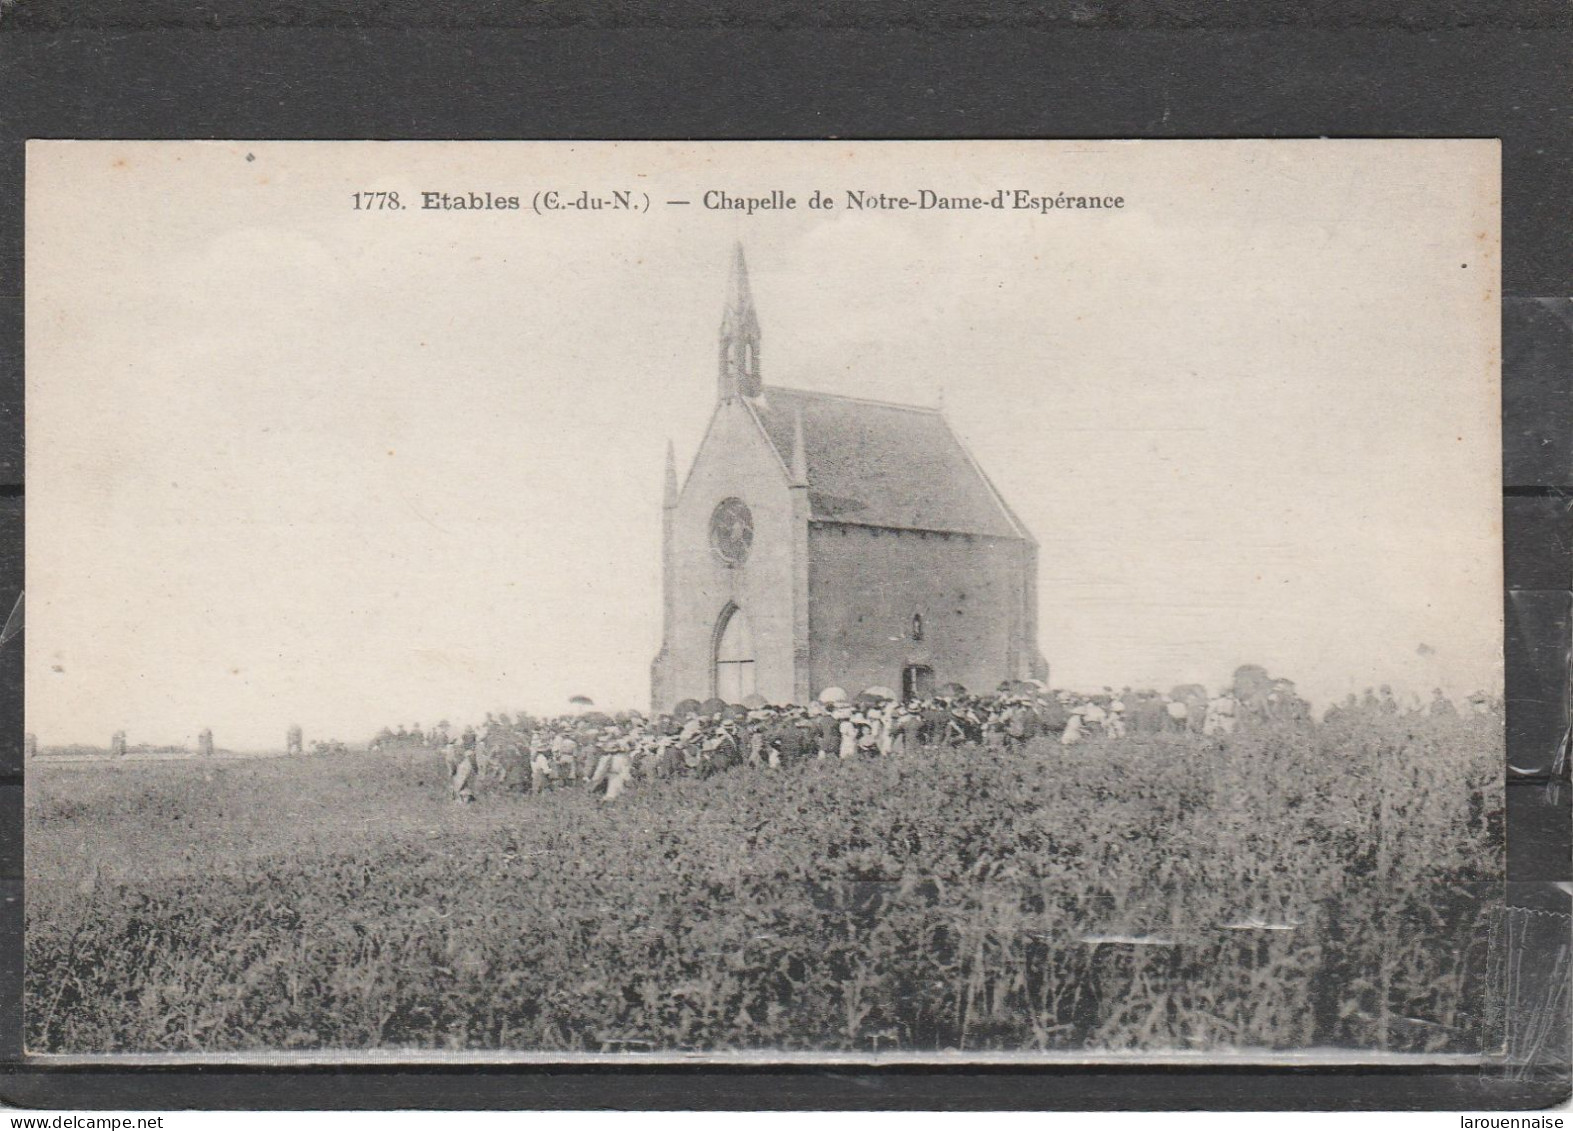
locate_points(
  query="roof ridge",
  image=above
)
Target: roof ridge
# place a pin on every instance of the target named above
(768, 389)
(881, 464)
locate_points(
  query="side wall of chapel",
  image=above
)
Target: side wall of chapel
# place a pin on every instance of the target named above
(974, 594)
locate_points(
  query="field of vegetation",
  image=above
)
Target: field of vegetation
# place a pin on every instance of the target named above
(1330, 886)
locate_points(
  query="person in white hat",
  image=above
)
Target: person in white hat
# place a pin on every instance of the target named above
(755, 737)
(540, 765)
(612, 770)
(565, 752)
(895, 735)
(1114, 721)
(868, 733)
(464, 776)
(1073, 728)
(849, 735)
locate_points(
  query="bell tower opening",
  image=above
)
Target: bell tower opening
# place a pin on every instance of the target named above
(734, 656)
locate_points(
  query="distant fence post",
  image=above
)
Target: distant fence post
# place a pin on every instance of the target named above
(293, 743)
(117, 744)
(205, 742)
(30, 746)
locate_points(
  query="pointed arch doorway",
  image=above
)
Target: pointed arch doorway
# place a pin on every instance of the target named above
(734, 656)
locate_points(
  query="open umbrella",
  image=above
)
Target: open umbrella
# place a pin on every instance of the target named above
(880, 692)
(685, 707)
(582, 701)
(755, 701)
(951, 690)
(712, 706)
(735, 711)
(833, 695)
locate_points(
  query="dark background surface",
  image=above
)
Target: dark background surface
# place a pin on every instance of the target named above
(468, 69)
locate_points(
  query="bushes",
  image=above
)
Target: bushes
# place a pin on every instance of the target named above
(1288, 889)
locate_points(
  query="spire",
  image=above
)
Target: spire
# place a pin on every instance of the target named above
(669, 500)
(739, 360)
(799, 459)
(739, 298)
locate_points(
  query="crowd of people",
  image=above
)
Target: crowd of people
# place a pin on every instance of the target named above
(606, 755)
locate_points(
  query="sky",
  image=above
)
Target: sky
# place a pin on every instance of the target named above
(290, 461)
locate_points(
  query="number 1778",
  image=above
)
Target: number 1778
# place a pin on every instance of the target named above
(377, 202)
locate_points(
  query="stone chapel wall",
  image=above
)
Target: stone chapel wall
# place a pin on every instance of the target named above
(866, 585)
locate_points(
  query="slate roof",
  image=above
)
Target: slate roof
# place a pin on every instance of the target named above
(878, 464)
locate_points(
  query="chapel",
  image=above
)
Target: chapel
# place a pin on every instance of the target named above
(823, 540)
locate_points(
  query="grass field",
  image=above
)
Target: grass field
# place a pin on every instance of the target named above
(1329, 887)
